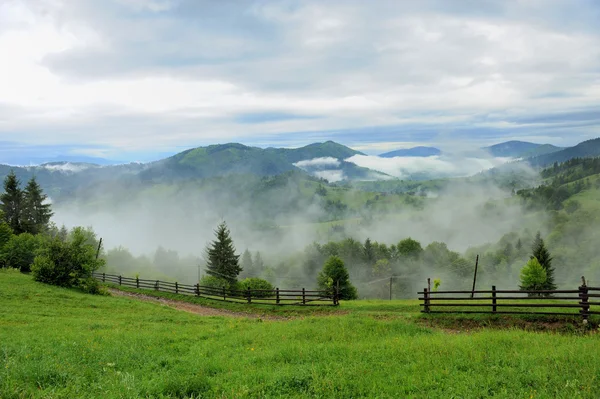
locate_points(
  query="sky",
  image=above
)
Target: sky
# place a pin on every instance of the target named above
(137, 79)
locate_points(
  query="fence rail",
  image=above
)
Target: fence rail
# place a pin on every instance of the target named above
(495, 301)
(301, 297)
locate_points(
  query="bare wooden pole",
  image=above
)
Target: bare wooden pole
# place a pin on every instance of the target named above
(475, 276)
(391, 280)
(98, 250)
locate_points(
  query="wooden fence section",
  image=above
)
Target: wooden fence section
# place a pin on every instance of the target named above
(556, 302)
(260, 297)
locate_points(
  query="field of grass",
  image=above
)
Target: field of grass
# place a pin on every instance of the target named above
(60, 343)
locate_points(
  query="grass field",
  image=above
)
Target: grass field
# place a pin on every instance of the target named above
(59, 343)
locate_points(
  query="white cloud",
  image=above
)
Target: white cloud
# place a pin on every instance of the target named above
(331, 176)
(438, 166)
(317, 162)
(75, 67)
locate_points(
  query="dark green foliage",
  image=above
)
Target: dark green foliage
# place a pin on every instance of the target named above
(5, 234)
(222, 261)
(369, 252)
(20, 250)
(255, 283)
(67, 263)
(409, 248)
(36, 212)
(541, 253)
(11, 203)
(321, 191)
(335, 274)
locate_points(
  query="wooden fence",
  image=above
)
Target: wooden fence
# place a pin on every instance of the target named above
(301, 297)
(556, 302)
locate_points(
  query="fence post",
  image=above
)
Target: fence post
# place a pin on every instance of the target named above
(249, 295)
(176, 288)
(277, 293)
(156, 286)
(585, 306)
(426, 300)
(103, 277)
(303, 296)
(197, 289)
(224, 294)
(119, 280)
(391, 278)
(493, 298)
(137, 282)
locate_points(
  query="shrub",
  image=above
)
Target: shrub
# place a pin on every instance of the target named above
(20, 250)
(215, 282)
(255, 283)
(67, 263)
(334, 273)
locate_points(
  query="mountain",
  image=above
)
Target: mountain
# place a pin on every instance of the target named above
(511, 149)
(586, 149)
(412, 152)
(235, 158)
(20, 159)
(541, 150)
(328, 149)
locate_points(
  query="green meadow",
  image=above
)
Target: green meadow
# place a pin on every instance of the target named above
(61, 343)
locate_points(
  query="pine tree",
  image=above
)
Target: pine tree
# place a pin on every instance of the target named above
(247, 264)
(541, 253)
(258, 264)
(36, 212)
(222, 261)
(369, 252)
(11, 203)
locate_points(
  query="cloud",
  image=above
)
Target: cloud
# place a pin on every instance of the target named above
(434, 166)
(317, 162)
(331, 176)
(121, 72)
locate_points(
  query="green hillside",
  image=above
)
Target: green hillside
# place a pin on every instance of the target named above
(589, 148)
(60, 343)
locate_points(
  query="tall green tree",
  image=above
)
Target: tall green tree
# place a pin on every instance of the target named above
(247, 264)
(533, 276)
(11, 203)
(409, 248)
(541, 253)
(222, 261)
(369, 252)
(335, 274)
(36, 211)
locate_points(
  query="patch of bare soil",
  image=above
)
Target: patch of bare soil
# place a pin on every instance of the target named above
(192, 307)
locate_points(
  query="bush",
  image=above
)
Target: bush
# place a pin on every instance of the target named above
(20, 251)
(216, 282)
(255, 283)
(67, 263)
(335, 274)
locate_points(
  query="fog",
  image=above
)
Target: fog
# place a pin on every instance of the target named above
(281, 223)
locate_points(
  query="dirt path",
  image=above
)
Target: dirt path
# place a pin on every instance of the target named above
(191, 307)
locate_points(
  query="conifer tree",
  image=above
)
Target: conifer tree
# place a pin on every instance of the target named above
(36, 212)
(222, 262)
(541, 253)
(258, 264)
(369, 252)
(247, 264)
(11, 203)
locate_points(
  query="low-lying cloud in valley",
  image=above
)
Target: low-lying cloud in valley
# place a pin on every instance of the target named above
(434, 166)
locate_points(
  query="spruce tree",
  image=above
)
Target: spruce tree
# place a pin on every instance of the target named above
(369, 252)
(11, 203)
(247, 264)
(36, 212)
(258, 264)
(541, 253)
(222, 261)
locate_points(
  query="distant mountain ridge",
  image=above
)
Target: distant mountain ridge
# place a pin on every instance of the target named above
(419, 151)
(585, 149)
(520, 149)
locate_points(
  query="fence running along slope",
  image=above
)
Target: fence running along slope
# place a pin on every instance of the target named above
(301, 297)
(577, 302)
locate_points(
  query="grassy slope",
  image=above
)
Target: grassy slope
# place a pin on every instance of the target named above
(59, 343)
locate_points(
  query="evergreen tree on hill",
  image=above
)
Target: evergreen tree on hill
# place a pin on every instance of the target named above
(11, 203)
(222, 262)
(36, 212)
(541, 253)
